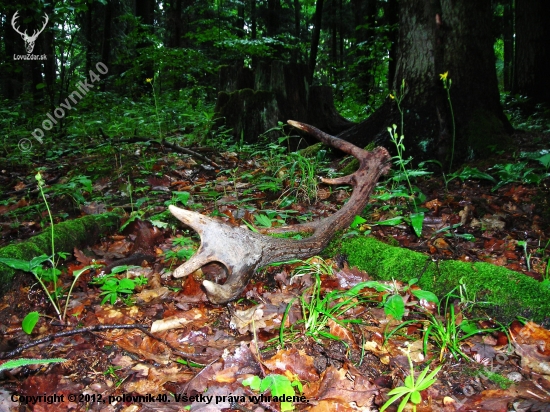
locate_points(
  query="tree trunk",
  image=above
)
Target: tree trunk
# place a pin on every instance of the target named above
(436, 37)
(532, 50)
(251, 102)
(393, 20)
(315, 36)
(364, 14)
(508, 38)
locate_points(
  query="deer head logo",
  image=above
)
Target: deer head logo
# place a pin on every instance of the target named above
(29, 40)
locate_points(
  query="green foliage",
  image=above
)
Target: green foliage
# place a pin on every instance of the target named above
(29, 322)
(449, 327)
(278, 385)
(411, 388)
(447, 83)
(17, 363)
(510, 292)
(114, 288)
(516, 172)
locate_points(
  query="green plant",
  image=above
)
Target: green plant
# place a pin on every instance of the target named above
(466, 173)
(111, 371)
(279, 385)
(448, 327)
(114, 288)
(416, 218)
(411, 389)
(447, 83)
(17, 363)
(523, 243)
(152, 83)
(516, 172)
(45, 275)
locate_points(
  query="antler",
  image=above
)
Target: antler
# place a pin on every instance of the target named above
(13, 19)
(29, 40)
(242, 251)
(35, 34)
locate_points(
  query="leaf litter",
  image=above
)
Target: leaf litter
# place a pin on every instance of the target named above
(196, 351)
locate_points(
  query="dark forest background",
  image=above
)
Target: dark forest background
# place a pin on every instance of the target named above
(168, 60)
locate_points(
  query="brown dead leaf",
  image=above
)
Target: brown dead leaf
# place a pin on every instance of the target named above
(8, 208)
(295, 361)
(156, 378)
(148, 295)
(250, 319)
(227, 375)
(81, 257)
(341, 332)
(337, 385)
(331, 406)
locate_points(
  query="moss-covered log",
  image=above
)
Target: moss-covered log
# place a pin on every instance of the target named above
(67, 236)
(512, 293)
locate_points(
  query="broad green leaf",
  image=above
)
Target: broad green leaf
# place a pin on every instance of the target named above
(16, 264)
(123, 268)
(395, 306)
(469, 327)
(253, 381)
(426, 295)
(29, 322)
(263, 220)
(545, 160)
(182, 197)
(426, 384)
(416, 398)
(417, 221)
(394, 221)
(358, 220)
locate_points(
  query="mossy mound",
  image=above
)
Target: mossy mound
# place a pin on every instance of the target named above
(67, 236)
(512, 293)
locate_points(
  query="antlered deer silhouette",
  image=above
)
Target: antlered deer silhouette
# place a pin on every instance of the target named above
(29, 40)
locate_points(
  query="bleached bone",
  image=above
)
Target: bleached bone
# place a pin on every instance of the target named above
(242, 251)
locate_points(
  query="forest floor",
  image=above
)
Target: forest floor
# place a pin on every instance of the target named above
(139, 331)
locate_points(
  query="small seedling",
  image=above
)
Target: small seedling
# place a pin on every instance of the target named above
(523, 243)
(114, 288)
(411, 389)
(278, 385)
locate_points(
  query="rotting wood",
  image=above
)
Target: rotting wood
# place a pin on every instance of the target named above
(242, 251)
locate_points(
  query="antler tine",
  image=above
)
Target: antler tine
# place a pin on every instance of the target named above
(37, 32)
(13, 23)
(44, 25)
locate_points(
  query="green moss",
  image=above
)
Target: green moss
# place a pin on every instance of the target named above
(67, 236)
(350, 167)
(311, 151)
(512, 294)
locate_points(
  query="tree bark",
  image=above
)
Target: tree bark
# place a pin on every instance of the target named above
(435, 37)
(315, 36)
(532, 57)
(508, 38)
